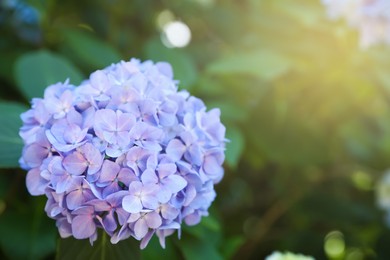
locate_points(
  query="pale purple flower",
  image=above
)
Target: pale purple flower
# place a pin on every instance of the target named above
(86, 158)
(113, 178)
(113, 126)
(141, 197)
(125, 152)
(111, 204)
(143, 221)
(163, 174)
(83, 223)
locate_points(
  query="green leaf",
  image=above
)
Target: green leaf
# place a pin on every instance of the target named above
(73, 249)
(195, 249)
(10, 142)
(184, 68)
(264, 64)
(231, 245)
(28, 234)
(87, 49)
(155, 251)
(36, 70)
(207, 230)
(235, 147)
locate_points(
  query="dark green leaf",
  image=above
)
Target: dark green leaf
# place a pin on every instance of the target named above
(235, 147)
(28, 234)
(87, 49)
(10, 142)
(195, 249)
(102, 249)
(35, 71)
(208, 229)
(231, 245)
(183, 66)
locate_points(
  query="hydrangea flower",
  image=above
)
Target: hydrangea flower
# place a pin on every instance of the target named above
(370, 17)
(287, 256)
(125, 152)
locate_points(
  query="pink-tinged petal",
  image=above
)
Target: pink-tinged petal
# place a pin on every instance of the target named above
(75, 163)
(136, 158)
(150, 145)
(125, 121)
(166, 169)
(72, 134)
(34, 154)
(75, 199)
(114, 151)
(85, 210)
(123, 138)
(99, 81)
(144, 131)
(64, 228)
(36, 185)
(110, 137)
(146, 239)
(115, 199)
(99, 205)
(83, 226)
(164, 195)
(122, 215)
(74, 117)
(175, 183)
(133, 217)
(169, 212)
(93, 156)
(126, 176)
(167, 119)
(62, 183)
(123, 233)
(149, 201)
(165, 68)
(175, 149)
(135, 186)
(190, 195)
(105, 120)
(161, 237)
(152, 162)
(153, 219)
(211, 166)
(88, 117)
(132, 204)
(149, 176)
(109, 189)
(192, 219)
(109, 171)
(194, 154)
(140, 228)
(110, 222)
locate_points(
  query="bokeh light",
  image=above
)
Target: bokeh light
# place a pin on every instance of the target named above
(334, 244)
(176, 34)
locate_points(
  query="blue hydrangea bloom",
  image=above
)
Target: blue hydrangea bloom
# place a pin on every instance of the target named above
(125, 152)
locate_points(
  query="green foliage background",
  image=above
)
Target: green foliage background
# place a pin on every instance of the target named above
(306, 110)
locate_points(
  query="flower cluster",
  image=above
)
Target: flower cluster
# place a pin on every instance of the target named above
(370, 17)
(125, 152)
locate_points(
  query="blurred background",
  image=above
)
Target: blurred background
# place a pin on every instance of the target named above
(306, 109)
